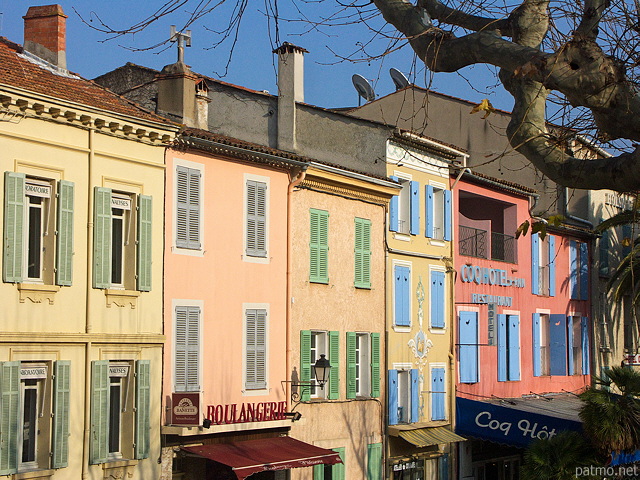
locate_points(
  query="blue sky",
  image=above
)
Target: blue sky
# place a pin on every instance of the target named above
(327, 78)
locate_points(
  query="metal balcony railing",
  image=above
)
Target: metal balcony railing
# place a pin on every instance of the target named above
(503, 247)
(473, 242)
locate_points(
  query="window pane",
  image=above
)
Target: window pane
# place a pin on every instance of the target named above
(29, 421)
(117, 245)
(35, 237)
(114, 415)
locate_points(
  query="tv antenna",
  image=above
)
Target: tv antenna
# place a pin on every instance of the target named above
(399, 79)
(183, 39)
(363, 87)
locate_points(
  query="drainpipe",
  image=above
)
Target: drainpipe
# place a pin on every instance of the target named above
(88, 325)
(292, 185)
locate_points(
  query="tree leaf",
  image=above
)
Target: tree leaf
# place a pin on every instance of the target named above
(485, 105)
(523, 228)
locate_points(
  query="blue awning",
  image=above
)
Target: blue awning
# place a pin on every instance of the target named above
(517, 422)
(621, 458)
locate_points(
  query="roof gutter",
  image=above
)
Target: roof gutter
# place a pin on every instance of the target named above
(354, 175)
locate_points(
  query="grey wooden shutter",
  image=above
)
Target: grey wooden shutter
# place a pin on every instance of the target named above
(64, 233)
(143, 405)
(99, 411)
(256, 351)
(188, 206)
(9, 416)
(101, 237)
(144, 243)
(14, 205)
(61, 402)
(256, 219)
(187, 349)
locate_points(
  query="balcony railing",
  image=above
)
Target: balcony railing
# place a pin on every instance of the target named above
(473, 243)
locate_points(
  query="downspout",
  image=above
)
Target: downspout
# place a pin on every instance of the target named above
(292, 185)
(88, 325)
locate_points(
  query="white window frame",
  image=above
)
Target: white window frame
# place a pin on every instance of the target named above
(404, 394)
(129, 225)
(255, 306)
(175, 303)
(438, 212)
(402, 263)
(363, 364)
(404, 205)
(127, 386)
(545, 342)
(576, 320)
(267, 181)
(199, 252)
(47, 215)
(43, 388)
(320, 347)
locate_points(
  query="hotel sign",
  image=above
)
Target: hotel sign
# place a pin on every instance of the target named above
(489, 276)
(632, 359)
(186, 409)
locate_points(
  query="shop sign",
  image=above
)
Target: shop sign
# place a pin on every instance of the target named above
(33, 372)
(246, 412)
(507, 425)
(122, 203)
(489, 276)
(186, 409)
(491, 323)
(35, 190)
(121, 371)
(632, 359)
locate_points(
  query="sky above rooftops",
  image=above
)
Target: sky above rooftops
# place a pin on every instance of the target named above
(328, 84)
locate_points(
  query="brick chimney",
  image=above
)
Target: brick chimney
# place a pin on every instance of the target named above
(45, 34)
(290, 91)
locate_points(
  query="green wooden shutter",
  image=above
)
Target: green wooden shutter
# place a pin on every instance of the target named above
(9, 416)
(305, 364)
(351, 365)
(14, 205)
(319, 246)
(143, 408)
(144, 243)
(64, 239)
(338, 469)
(61, 403)
(375, 365)
(99, 411)
(374, 461)
(362, 253)
(101, 237)
(334, 360)
(318, 472)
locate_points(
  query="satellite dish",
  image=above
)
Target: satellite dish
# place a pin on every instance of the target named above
(399, 80)
(364, 88)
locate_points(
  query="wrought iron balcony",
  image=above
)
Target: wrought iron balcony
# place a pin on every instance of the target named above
(473, 243)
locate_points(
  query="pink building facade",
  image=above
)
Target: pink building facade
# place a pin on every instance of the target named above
(523, 326)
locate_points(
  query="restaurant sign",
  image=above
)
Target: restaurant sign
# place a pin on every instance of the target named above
(246, 412)
(186, 409)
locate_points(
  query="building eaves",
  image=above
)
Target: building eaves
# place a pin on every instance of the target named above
(505, 185)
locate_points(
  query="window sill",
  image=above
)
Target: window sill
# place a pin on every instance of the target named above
(402, 328)
(320, 282)
(404, 237)
(363, 287)
(121, 298)
(37, 293)
(34, 474)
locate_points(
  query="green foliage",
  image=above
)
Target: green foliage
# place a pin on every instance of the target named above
(539, 226)
(557, 458)
(611, 415)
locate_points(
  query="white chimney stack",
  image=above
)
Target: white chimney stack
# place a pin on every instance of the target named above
(290, 91)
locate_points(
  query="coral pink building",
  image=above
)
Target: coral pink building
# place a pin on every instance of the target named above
(523, 326)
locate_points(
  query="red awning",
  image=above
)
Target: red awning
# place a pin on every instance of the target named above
(252, 456)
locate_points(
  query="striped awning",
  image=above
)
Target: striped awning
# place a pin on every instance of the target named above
(424, 437)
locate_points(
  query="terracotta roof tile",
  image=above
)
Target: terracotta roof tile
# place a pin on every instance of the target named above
(17, 71)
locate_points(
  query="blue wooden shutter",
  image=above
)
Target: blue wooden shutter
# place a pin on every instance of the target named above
(143, 409)
(334, 360)
(552, 265)
(145, 235)
(256, 227)
(437, 394)
(437, 299)
(502, 348)
(537, 367)
(535, 264)
(64, 234)
(351, 365)
(101, 237)
(415, 395)
(375, 365)
(558, 340)
(9, 416)
(392, 394)
(14, 206)
(586, 363)
(573, 270)
(305, 364)
(319, 246)
(374, 461)
(447, 215)
(428, 207)
(393, 210)
(415, 208)
(468, 348)
(570, 341)
(99, 411)
(514, 347)
(402, 296)
(61, 405)
(584, 271)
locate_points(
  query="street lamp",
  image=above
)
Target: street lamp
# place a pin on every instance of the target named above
(321, 370)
